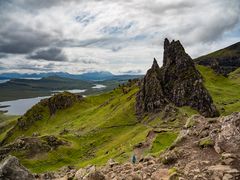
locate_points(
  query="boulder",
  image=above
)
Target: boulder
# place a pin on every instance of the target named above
(11, 169)
(228, 139)
(97, 175)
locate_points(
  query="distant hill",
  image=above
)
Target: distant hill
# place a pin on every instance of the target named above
(90, 76)
(223, 61)
(28, 88)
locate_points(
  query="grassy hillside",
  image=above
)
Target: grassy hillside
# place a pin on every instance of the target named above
(224, 91)
(98, 128)
(223, 61)
(105, 126)
(6, 123)
(235, 75)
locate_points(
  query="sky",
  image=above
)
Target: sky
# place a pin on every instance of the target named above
(122, 36)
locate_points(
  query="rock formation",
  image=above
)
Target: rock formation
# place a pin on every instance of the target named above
(177, 82)
(11, 169)
(151, 97)
(228, 139)
(32, 146)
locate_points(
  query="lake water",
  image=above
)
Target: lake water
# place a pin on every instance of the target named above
(71, 91)
(20, 106)
(99, 86)
(6, 80)
(3, 81)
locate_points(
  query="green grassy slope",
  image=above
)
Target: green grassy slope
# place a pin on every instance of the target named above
(105, 126)
(235, 76)
(100, 127)
(6, 123)
(224, 91)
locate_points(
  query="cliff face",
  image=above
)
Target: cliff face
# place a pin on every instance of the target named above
(177, 82)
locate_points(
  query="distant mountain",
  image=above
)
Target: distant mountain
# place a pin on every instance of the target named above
(90, 76)
(223, 61)
(103, 75)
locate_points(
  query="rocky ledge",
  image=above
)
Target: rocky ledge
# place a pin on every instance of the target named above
(177, 82)
(32, 146)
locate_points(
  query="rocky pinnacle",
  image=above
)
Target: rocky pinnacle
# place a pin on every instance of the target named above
(177, 82)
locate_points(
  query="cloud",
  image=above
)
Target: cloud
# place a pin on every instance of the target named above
(51, 54)
(119, 36)
(136, 71)
(2, 55)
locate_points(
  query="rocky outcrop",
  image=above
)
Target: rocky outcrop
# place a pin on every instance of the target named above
(228, 140)
(177, 82)
(11, 169)
(151, 97)
(32, 146)
(61, 101)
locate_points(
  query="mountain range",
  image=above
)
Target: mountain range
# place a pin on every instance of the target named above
(90, 76)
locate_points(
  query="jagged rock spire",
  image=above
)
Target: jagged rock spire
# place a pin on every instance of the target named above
(151, 98)
(166, 43)
(177, 82)
(155, 64)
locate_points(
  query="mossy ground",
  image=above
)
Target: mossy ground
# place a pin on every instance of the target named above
(105, 126)
(163, 141)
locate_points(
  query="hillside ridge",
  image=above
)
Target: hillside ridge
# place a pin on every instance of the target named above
(223, 61)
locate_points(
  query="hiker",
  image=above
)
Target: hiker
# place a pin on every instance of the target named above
(134, 159)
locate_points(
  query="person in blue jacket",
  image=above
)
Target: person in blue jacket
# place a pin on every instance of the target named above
(134, 159)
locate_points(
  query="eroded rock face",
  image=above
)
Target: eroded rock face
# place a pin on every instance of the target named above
(61, 101)
(11, 169)
(177, 81)
(151, 96)
(228, 140)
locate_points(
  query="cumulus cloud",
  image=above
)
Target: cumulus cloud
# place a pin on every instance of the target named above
(51, 54)
(119, 36)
